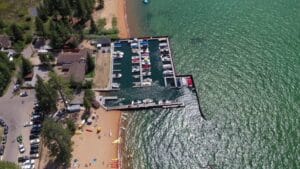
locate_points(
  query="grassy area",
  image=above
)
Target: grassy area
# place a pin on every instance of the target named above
(92, 73)
(8, 165)
(15, 10)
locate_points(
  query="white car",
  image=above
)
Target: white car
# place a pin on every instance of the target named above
(27, 124)
(35, 141)
(35, 156)
(28, 166)
(29, 162)
(35, 116)
(36, 125)
(21, 148)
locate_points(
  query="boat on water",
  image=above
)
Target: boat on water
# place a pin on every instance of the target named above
(168, 72)
(145, 1)
(146, 73)
(117, 75)
(115, 85)
(167, 66)
(136, 76)
(135, 69)
(118, 54)
(147, 101)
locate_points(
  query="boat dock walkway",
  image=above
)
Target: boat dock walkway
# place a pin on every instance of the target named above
(146, 106)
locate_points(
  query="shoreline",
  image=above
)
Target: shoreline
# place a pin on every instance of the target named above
(124, 31)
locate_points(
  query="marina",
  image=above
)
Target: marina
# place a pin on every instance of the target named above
(143, 76)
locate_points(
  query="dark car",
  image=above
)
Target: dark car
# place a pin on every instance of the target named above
(33, 136)
(34, 151)
(37, 122)
(23, 159)
(5, 129)
(2, 122)
(4, 140)
(34, 145)
(35, 132)
(36, 113)
(36, 129)
(2, 147)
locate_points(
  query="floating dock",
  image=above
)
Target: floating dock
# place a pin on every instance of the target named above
(143, 69)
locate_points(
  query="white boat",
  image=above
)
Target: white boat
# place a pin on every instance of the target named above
(136, 76)
(168, 72)
(118, 54)
(115, 85)
(160, 102)
(146, 73)
(147, 80)
(135, 57)
(167, 66)
(166, 59)
(117, 75)
(147, 101)
(135, 69)
(147, 83)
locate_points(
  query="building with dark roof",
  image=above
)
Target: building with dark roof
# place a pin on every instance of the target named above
(73, 64)
(5, 42)
(104, 41)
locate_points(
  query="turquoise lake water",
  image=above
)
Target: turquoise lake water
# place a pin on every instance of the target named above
(245, 58)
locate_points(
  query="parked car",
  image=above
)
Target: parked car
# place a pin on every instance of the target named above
(35, 141)
(23, 94)
(2, 147)
(37, 126)
(37, 121)
(34, 146)
(4, 139)
(36, 113)
(34, 151)
(21, 148)
(27, 124)
(5, 129)
(34, 156)
(33, 136)
(29, 161)
(23, 159)
(2, 122)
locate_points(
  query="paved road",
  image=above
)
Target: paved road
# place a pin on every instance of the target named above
(16, 110)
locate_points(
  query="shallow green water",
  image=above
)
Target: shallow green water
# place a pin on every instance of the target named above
(245, 58)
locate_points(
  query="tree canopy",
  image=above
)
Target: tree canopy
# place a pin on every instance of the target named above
(26, 67)
(5, 72)
(58, 140)
(46, 96)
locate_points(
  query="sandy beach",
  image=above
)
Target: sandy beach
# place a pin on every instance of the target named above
(114, 8)
(96, 150)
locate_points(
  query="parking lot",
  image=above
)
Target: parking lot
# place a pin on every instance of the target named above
(16, 111)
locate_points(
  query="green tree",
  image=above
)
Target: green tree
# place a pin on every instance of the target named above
(61, 85)
(26, 67)
(46, 96)
(71, 126)
(8, 165)
(90, 64)
(100, 4)
(89, 97)
(16, 32)
(5, 72)
(93, 26)
(58, 140)
(39, 27)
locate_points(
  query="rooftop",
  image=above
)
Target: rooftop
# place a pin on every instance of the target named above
(5, 42)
